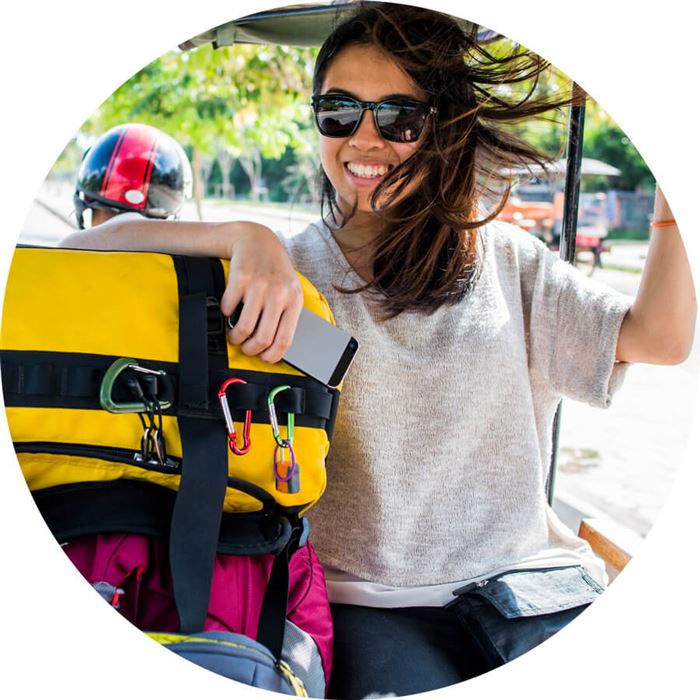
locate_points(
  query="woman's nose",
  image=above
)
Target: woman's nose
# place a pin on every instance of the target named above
(367, 135)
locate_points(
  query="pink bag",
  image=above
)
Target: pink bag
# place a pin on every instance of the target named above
(132, 572)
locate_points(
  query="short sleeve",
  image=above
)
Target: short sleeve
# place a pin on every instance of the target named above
(575, 322)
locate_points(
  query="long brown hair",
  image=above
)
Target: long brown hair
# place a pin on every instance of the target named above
(427, 253)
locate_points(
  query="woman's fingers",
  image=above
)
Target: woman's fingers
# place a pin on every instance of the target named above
(262, 277)
(264, 321)
(284, 335)
(276, 323)
(247, 322)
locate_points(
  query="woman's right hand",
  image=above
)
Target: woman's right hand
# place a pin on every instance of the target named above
(262, 277)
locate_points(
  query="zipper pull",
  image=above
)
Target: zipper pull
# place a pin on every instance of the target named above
(471, 587)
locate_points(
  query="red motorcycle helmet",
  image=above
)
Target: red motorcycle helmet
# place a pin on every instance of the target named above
(133, 167)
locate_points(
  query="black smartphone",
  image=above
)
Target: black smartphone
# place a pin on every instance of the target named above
(319, 349)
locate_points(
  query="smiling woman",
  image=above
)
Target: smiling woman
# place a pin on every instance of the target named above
(443, 558)
(461, 319)
(356, 159)
(435, 167)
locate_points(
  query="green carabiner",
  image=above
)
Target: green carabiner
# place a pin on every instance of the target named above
(114, 370)
(273, 417)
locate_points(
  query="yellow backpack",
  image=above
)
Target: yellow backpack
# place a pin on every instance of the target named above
(117, 379)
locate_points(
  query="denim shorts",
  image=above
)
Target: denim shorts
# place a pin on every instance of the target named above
(511, 613)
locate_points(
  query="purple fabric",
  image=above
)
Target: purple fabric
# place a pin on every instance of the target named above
(139, 565)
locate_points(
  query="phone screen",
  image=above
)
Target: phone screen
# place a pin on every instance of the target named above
(319, 349)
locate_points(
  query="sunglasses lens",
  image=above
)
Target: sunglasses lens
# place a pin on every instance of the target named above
(336, 117)
(402, 122)
(398, 121)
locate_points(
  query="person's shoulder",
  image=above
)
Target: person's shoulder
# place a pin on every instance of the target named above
(310, 233)
(508, 242)
(132, 216)
(308, 238)
(308, 246)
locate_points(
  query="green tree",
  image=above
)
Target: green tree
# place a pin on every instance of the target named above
(607, 142)
(244, 100)
(603, 138)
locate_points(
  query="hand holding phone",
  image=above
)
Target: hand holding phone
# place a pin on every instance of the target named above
(319, 349)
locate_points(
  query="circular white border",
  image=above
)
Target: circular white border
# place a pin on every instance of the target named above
(59, 62)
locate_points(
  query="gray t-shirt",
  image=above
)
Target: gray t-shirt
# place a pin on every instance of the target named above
(441, 448)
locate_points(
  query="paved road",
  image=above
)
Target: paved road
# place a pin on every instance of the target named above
(51, 217)
(621, 461)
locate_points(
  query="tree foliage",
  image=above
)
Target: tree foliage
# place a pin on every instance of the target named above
(206, 96)
(603, 139)
(245, 106)
(607, 142)
(249, 101)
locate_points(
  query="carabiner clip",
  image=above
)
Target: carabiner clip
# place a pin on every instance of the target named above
(273, 418)
(229, 420)
(279, 451)
(114, 370)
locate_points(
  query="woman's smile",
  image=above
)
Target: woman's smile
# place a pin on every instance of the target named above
(367, 174)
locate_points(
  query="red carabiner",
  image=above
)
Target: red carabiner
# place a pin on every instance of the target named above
(229, 420)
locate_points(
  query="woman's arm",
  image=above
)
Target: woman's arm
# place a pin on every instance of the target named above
(659, 327)
(261, 274)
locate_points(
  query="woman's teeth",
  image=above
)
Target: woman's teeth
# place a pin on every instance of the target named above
(367, 170)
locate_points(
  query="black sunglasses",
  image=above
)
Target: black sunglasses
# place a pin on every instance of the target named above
(400, 120)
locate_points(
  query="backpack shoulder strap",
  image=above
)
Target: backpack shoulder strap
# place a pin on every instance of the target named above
(196, 520)
(273, 614)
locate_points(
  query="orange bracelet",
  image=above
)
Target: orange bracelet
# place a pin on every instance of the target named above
(663, 224)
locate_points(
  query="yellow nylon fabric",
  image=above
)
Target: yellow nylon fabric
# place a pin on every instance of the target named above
(103, 303)
(126, 304)
(43, 470)
(108, 303)
(71, 425)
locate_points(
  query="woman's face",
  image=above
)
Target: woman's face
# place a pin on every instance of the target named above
(356, 164)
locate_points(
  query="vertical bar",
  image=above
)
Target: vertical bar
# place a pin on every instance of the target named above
(567, 241)
(572, 186)
(552, 475)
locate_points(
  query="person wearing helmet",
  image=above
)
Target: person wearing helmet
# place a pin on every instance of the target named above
(132, 168)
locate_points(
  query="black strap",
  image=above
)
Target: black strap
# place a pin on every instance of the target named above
(273, 613)
(42, 379)
(199, 502)
(196, 520)
(193, 385)
(143, 508)
(103, 507)
(72, 380)
(193, 542)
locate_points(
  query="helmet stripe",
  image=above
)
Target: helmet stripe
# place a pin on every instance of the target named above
(137, 148)
(110, 165)
(149, 169)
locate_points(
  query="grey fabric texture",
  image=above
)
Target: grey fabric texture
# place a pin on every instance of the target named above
(301, 654)
(442, 443)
